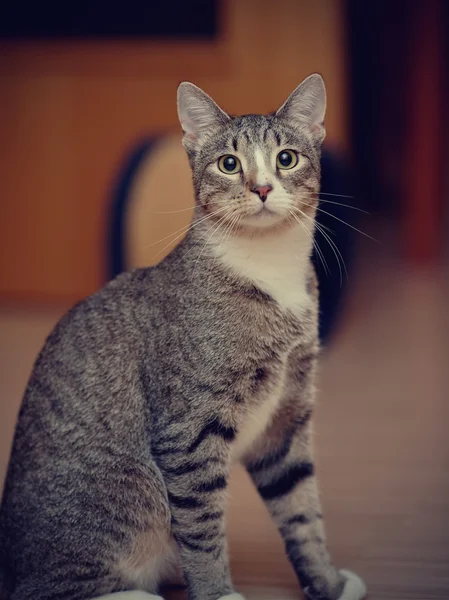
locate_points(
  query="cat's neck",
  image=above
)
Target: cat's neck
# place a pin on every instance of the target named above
(277, 263)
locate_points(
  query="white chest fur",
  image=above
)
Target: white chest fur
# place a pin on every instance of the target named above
(277, 264)
(259, 416)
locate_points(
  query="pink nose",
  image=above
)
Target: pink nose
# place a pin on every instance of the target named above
(262, 191)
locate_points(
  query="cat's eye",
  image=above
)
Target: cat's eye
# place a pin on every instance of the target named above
(287, 159)
(229, 164)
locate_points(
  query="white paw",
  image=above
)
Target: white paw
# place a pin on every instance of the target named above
(355, 588)
(233, 596)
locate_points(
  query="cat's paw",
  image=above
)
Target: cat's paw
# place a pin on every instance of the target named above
(233, 596)
(355, 588)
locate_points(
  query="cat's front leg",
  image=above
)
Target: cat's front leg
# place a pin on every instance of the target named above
(196, 470)
(285, 478)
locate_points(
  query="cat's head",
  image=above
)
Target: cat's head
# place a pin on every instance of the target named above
(256, 172)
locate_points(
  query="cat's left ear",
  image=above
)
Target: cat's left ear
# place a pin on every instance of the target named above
(306, 106)
(198, 113)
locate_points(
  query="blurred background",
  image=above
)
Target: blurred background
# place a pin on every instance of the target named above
(90, 158)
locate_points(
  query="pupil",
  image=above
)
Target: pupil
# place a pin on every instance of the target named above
(285, 159)
(229, 163)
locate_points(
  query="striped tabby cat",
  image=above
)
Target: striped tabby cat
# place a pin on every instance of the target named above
(146, 393)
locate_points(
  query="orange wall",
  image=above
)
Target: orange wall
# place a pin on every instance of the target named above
(69, 111)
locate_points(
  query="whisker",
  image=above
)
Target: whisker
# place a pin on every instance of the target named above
(332, 245)
(317, 209)
(190, 224)
(321, 256)
(226, 233)
(228, 229)
(345, 205)
(314, 242)
(336, 195)
(311, 197)
(326, 227)
(214, 230)
(172, 212)
(345, 223)
(197, 242)
(184, 230)
(336, 251)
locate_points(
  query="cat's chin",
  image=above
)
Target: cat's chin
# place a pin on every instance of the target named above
(263, 220)
(264, 226)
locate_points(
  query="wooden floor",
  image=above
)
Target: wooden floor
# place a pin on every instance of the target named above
(382, 440)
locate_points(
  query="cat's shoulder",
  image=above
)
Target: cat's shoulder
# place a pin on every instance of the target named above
(104, 315)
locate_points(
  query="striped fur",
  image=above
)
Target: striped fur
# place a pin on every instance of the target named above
(147, 393)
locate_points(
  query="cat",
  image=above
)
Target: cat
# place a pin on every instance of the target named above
(146, 393)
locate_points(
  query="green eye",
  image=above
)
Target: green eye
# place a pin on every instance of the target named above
(229, 164)
(287, 159)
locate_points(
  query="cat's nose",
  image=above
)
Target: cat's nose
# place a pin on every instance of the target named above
(262, 191)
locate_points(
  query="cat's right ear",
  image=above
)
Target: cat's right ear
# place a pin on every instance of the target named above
(198, 113)
(306, 106)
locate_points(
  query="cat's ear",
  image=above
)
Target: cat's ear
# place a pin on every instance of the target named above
(306, 106)
(198, 113)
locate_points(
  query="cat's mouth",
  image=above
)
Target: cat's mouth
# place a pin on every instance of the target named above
(264, 210)
(263, 216)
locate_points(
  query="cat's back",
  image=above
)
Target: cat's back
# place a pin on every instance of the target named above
(75, 393)
(81, 423)
(92, 350)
